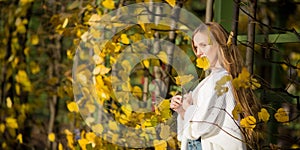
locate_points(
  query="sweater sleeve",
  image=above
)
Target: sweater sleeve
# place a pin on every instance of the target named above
(204, 119)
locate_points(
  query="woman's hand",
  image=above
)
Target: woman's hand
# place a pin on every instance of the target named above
(176, 102)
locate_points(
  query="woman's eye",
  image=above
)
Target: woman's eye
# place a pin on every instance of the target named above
(202, 45)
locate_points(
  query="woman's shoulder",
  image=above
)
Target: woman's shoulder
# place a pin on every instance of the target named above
(218, 73)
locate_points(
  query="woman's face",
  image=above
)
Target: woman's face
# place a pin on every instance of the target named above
(205, 47)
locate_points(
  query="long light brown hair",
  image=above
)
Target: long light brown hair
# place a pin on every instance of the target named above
(230, 58)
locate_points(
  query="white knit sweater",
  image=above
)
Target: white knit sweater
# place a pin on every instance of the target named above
(207, 118)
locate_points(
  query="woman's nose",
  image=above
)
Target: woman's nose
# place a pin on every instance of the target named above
(199, 53)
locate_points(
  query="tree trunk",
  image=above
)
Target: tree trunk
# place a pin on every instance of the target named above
(251, 36)
(209, 10)
(235, 22)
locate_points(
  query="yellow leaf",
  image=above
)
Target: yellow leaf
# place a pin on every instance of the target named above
(165, 104)
(34, 67)
(126, 109)
(90, 136)
(23, 79)
(8, 102)
(4, 145)
(93, 20)
(181, 80)
(254, 84)
(51, 137)
(248, 122)
(26, 51)
(163, 57)
(70, 139)
(65, 23)
(281, 115)
(203, 63)
(2, 128)
(98, 128)
(34, 39)
(173, 93)
(229, 41)
(97, 59)
(171, 2)
(137, 91)
(11, 123)
(25, 1)
(109, 4)
(91, 108)
(263, 115)
(236, 111)
(220, 85)
(82, 143)
(146, 63)
(18, 89)
(60, 146)
(100, 69)
(113, 125)
(20, 138)
(160, 144)
(72, 107)
(126, 65)
(124, 39)
(165, 132)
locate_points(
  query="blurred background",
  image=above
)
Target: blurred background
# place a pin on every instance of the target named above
(38, 41)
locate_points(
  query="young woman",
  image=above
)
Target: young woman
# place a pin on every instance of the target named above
(205, 118)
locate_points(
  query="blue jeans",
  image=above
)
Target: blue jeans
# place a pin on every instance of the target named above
(194, 144)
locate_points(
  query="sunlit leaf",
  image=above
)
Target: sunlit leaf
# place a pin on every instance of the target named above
(103, 70)
(8, 102)
(70, 140)
(160, 144)
(171, 2)
(2, 127)
(20, 138)
(23, 79)
(263, 115)
(254, 84)
(181, 80)
(109, 4)
(281, 115)
(165, 132)
(229, 41)
(203, 63)
(93, 20)
(137, 91)
(60, 146)
(248, 122)
(51, 137)
(98, 128)
(34, 39)
(146, 63)
(220, 85)
(34, 67)
(65, 23)
(82, 143)
(18, 89)
(23, 2)
(124, 39)
(163, 57)
(113, 125)
(236, 111)
(90, 136)
(97, 59)
(72, 107)
(126, 109)
(11, 123)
